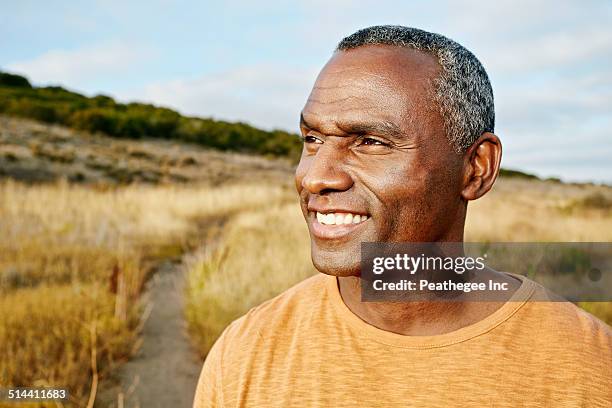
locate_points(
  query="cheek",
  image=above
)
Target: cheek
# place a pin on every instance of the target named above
(430, 205)
(401, 185)
(410, 207)
(406, 198)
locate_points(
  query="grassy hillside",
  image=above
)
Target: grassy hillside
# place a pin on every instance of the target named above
(54, 104)
(37, 152)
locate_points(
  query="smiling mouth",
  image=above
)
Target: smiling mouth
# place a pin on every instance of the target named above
(335, 225)
(339, 218)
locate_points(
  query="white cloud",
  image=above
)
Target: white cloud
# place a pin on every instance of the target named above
(552, 50)
(267, 96)
(77, 67)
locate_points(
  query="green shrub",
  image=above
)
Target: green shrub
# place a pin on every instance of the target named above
(13, 80)
(95, 120)
(39, 110)
(137, 120)
(517, 174)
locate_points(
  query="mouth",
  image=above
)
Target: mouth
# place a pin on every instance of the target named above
(335, 225)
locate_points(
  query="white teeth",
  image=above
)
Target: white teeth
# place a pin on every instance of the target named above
(340, 218)
(320, 217)
(348, 218)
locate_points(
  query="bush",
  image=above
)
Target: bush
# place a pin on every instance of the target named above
(131, 126)
(103, 101)
(39, 110)
(95, 120)
(12, 80)
(596, 200)
(517, 174)
(137, 120)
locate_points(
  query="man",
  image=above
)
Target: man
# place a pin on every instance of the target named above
(398, 137)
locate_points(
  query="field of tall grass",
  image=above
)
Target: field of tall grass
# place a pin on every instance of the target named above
(73, 261)
(263, 252)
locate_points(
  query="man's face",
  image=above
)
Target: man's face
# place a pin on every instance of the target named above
(376, 164)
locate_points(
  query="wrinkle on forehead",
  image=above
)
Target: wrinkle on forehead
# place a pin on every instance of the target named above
(356, 83)
(355, 101)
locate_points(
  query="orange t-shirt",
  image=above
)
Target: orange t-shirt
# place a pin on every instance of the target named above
(305, 348)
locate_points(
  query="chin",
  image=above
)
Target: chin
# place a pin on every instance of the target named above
(331, 264)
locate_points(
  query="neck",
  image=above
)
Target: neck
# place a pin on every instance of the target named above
(423, 318)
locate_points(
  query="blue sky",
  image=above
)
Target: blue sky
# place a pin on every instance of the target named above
(550, 62)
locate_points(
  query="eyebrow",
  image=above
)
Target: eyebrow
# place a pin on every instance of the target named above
(360, 128)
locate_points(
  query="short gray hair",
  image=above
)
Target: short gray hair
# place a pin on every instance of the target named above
(462, 91)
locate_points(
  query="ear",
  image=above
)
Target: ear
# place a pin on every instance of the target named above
(481, 166)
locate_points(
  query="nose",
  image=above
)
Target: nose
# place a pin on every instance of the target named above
(325, 172)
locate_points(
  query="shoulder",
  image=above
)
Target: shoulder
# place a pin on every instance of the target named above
(571, 322)
(563, 316)
(563, 325)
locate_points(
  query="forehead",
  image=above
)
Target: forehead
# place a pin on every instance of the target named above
(376, 82)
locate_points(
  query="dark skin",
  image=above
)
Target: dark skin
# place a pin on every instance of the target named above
(374, 144)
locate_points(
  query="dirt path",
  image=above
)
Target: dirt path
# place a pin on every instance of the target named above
(165, 370)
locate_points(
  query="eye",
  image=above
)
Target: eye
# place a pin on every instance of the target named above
(370, 141)
(312, 139)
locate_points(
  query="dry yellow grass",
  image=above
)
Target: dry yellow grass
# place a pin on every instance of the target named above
(46, 335)
(526, 210)
(264, 252)
(73, 257)
(260, 254)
